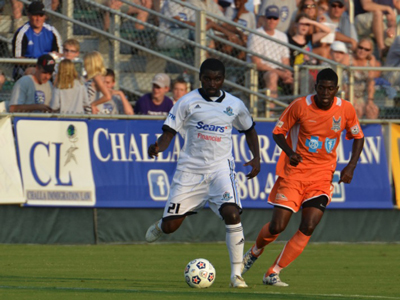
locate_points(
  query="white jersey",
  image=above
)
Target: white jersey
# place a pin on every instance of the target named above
(206, 127)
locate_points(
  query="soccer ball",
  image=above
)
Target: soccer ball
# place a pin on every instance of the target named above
(199, 273)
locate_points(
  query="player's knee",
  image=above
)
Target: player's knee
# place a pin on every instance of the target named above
(230, 214)
(170, 226)
(307, 228)
(276, 227)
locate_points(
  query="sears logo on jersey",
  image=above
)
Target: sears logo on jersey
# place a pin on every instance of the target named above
(201, 125)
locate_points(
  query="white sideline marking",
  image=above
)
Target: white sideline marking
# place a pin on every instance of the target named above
(163, 291)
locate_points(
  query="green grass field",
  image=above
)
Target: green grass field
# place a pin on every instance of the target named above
(155, 271)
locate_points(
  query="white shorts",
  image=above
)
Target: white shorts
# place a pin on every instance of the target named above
(190, 191)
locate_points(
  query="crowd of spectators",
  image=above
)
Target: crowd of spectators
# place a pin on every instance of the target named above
(320, 27)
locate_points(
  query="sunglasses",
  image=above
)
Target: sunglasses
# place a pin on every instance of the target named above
(309, 6)
(337, 5)
(272, 18)
(362, 48)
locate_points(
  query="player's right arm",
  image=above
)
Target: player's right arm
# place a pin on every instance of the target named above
(294, 158)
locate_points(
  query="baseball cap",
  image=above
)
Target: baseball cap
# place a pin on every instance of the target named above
(47, 62)
(36, 8)
(339, 46)
(272, 11)
(340, 1)
(162, 80)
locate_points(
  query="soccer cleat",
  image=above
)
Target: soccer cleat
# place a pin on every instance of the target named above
(273, 279)
(153, 233)
(238, 282)
(248, 260)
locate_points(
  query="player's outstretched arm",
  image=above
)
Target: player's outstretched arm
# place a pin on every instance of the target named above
(347, 173)
(161, 144)
(252, 142)
(294, 158)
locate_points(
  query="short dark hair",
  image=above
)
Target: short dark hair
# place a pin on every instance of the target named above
(212, 64)
(327, 74)
(111, 73)
(178, 80)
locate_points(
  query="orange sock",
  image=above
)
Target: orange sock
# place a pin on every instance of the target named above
(290, 252)
(265, 237)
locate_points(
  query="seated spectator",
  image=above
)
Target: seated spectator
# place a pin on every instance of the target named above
(118, 97)
(310, 8)
(35, 38)
(339, 53)
(32, 93)
(179, 89)
(141, 15)
(97, 91)
(155, 103)
(364, 81)
(287, 13)
(69, 94)
(181, 13)
(393, 60)
(243, 17)
(344, 30)
(273, 74)
(304, 40)
(370, 18)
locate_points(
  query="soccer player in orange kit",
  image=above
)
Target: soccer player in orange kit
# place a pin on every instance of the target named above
(313, 125)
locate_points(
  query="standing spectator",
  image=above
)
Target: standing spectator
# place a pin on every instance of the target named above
(345, 31)
(181, 13)
(155, 103)
(141, 15)
(306, 172)
(206, 170)
(243, 17)
(276, 52)
(369, 17)
(71, 51)
(97, 91)
(32, 93)
(69, 94)
(35, 37)
(118, 97)
(287, 12)
(179, 89)
(364, 81)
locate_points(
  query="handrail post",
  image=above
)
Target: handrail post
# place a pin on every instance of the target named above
(115, 27)
(254, 88)
(296, 70)
(351, 86)
(200, 38)
(68, 11)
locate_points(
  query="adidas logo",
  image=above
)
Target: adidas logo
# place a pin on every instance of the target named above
(241, 242)
(197, 106)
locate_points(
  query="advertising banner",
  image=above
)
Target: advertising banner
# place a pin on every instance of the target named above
(395, 159)
(55, 162)
(10, 179)
(114, 160)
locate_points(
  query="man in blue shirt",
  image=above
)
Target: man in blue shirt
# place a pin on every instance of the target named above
(35, 37)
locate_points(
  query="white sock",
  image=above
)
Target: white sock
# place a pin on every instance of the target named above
(235, 244)
(159, 225)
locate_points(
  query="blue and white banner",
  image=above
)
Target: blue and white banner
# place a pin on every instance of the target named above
(110, 166)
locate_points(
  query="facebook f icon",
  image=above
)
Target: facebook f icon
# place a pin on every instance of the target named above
(158, 185)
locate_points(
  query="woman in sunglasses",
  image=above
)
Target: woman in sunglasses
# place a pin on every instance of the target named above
(364, 81)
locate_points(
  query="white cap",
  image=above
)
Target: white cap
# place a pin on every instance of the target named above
(162, 80)
(339, 46)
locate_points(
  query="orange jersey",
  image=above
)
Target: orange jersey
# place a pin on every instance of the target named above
(314, 134)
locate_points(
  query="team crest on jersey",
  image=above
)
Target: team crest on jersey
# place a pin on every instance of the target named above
(279, 124)
(355, 129)
(226, 196)
(229, 111)
(313, 144)
(330, 144)
(336, 124)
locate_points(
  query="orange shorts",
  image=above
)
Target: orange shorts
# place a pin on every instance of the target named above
(291, 194)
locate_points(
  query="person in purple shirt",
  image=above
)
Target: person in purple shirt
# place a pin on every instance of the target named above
(155, 103)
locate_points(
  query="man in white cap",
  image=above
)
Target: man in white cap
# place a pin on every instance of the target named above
(155, 103)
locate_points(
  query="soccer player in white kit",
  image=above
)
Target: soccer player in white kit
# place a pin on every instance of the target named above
(205, 171)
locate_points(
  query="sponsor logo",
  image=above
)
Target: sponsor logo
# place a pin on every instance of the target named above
(216, 128)
(171, 116)
(158, 185)
(197, 106)
(229, 111)
(355, 129)
(209, 137)
(312, 121)
(280, 197)
(72, 136)
(226, 196)
(336, 126)
(240, 242)
(39, 97)
(313, 144)
(330, 144)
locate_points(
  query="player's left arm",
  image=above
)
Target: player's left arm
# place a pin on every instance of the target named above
(252, 142)
(162, 142)
(347, 173)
